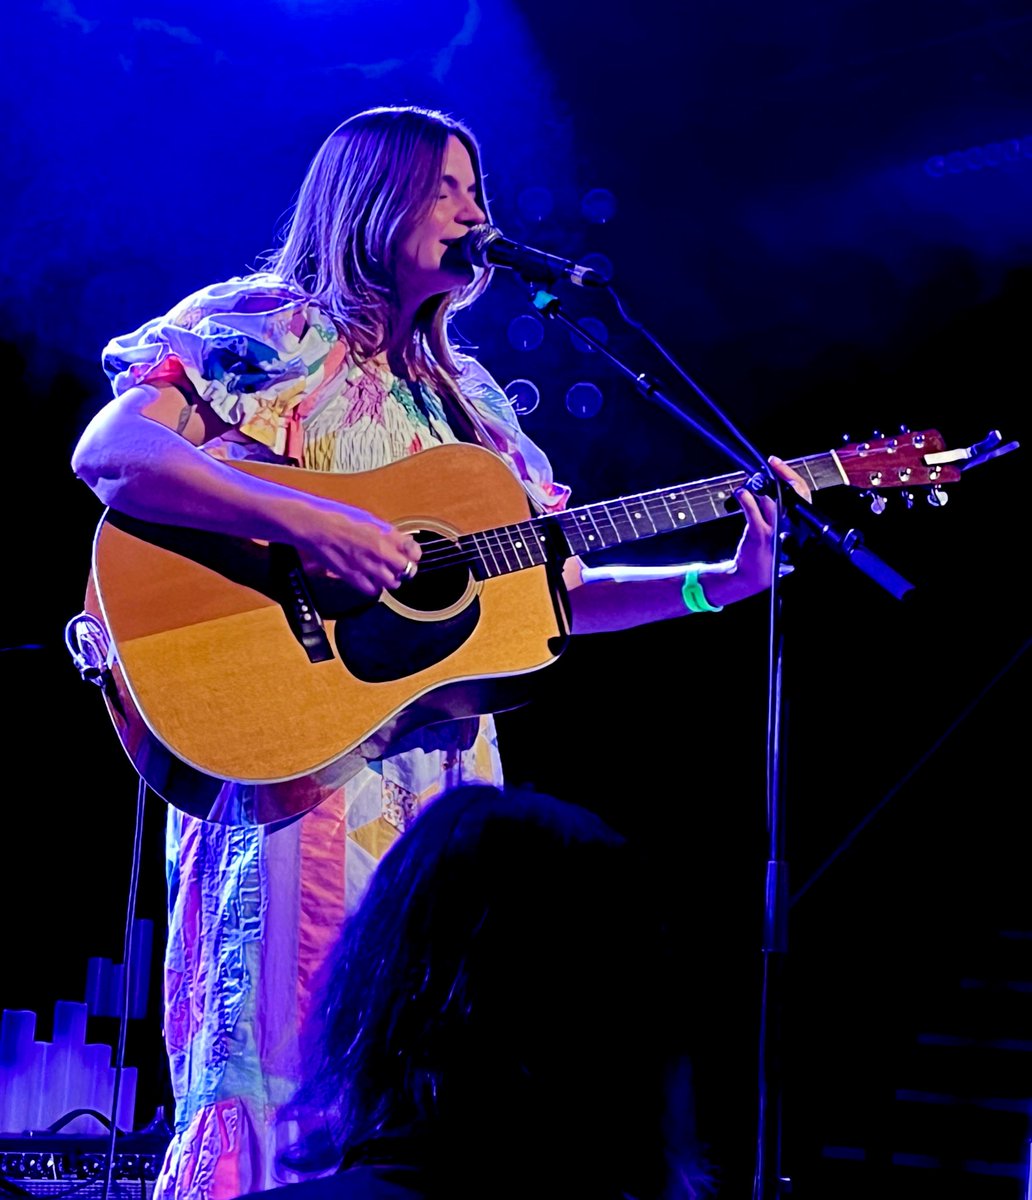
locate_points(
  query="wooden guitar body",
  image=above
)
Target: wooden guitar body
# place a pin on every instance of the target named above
(210, 682)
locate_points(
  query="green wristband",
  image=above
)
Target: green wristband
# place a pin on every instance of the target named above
(693, 595)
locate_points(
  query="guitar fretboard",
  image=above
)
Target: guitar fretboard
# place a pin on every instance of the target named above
(599, 526)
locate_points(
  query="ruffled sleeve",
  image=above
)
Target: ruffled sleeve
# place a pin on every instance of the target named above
(251, 347)
(493, 414)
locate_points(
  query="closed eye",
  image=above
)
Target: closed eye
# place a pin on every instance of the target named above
(451, 182)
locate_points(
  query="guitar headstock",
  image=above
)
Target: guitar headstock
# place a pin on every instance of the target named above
(910, 459)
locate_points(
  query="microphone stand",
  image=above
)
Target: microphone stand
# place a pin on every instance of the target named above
(800, 518)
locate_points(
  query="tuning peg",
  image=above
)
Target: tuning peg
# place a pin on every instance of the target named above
(908, 499)
(878, 502)
(904, 429)
(938, 497)
(846, 438)
(875, 435)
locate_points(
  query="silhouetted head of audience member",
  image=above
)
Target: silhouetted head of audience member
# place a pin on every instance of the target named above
(503, 1018)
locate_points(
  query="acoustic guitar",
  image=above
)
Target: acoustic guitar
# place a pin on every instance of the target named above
(221, 661)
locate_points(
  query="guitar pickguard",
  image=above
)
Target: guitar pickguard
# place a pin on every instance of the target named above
(412, 628)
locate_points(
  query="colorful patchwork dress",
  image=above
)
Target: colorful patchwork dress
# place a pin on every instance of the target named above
(254, 909)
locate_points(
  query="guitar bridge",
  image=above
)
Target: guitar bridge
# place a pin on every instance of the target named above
(295, 598)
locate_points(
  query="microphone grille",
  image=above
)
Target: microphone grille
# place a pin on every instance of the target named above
(476, 241)
(482, 234)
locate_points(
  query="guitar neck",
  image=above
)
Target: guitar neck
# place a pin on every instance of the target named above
(599, 526)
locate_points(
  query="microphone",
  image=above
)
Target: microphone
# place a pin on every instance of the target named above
(484, 246)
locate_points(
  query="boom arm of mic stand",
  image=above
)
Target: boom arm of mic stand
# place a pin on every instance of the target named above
(808, 522)
(548, 305)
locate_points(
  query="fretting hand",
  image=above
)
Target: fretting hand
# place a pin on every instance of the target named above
(754, 556)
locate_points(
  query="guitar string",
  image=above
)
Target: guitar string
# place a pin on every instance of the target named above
(502, 542)
(444, 551)
(440, 552)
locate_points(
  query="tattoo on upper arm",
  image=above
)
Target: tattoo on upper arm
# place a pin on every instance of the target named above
(185, 413)
(184, 416)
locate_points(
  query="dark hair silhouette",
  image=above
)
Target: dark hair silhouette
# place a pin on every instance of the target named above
(501, 1014)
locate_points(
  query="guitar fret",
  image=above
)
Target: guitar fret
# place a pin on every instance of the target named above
(506, 547)
(536, 541)
(637, 513)
(822, 470)
(607, 509)
(715, 494)
(660, 506)
(689, 513)
(482, 541)
(667, 511)
(622, 520)
(574, 525)
(675, 510)
(526, 550)
(597, 535)
(804, 469)
(530, 546)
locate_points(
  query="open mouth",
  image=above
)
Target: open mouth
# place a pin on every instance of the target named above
(453, 256)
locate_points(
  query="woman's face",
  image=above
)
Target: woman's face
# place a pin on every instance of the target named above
(422, 268)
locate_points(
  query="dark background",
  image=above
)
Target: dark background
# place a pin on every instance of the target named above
(822, 212)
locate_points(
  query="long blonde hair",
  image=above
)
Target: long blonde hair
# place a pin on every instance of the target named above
(372, 179)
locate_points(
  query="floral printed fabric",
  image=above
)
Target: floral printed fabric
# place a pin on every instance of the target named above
(271, 363)
(254, 910)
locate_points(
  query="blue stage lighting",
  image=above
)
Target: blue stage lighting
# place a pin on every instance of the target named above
(524, 395)
(599, 205)
(594, 327)
(535, 203)
(584, 400)
(525, 332)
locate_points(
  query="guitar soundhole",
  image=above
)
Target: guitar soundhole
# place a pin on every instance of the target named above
(414, 626)
(440, 583)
